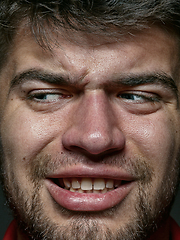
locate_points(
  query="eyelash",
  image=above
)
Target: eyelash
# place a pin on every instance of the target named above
(39, 95)
(134, 101)
(141, 97)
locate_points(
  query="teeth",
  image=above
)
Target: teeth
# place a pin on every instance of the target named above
(67, 183)
(89, 191)
(99, 184)
(72, 189)
(117, 183)
(109, 183)
(75, 183)
(86, 184)
(96, 191)
(80, 190)
(110, 189)
(104, 190)
(90, 185)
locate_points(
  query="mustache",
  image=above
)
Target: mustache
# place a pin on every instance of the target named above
(45, 164)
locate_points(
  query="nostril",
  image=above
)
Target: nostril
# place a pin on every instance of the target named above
(94, 139)
(93, 144)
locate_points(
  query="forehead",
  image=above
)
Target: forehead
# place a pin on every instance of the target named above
(98, 58)
(88, 48)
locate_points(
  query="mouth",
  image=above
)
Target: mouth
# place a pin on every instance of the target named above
(88, 193)
(89, 185)
(87, 188)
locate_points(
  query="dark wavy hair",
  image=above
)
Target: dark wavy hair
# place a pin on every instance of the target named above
(93, 16)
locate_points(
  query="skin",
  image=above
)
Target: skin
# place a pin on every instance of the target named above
(90, 121)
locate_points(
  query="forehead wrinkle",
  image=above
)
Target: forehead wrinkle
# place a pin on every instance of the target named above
(80, 75)
(45, 76)
(122, 80)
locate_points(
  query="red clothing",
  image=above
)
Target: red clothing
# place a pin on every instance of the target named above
(11, 231)
(175, 230)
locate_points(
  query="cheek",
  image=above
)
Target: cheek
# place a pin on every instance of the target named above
(155, 139)
(24, 134)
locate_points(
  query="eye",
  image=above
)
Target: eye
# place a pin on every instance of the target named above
(139, 97)
(140, 102)
(47, 96)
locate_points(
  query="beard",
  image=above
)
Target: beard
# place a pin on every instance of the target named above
(149, 213)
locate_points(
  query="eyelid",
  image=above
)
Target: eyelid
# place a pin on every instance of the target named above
(38, 85)
(49, 91)
(145, 103)
(142, 94)
(159, 91)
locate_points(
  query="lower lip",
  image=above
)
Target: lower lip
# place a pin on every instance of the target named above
(88, 201)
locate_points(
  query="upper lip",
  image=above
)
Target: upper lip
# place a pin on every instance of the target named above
(92, 172)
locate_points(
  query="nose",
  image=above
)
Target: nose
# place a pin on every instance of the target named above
(94, 128)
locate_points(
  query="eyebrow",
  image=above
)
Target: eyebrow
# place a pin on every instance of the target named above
(40, 75)
(152, 78)
(130, 80)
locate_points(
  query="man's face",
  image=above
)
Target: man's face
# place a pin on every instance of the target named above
(90, 135)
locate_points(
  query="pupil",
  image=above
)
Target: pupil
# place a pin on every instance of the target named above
(128, 96)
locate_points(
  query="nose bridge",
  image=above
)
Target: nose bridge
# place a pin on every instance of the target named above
(93, 127)
(95, 111)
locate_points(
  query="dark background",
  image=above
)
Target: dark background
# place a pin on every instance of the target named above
(5, 214)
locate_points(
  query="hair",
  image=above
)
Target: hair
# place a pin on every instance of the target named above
(92, 16)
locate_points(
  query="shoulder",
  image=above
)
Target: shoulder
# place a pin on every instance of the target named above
(175, 230)
(11, 233)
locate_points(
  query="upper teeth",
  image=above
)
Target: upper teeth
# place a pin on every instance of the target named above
(89, 185)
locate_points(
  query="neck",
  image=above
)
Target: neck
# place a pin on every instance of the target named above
(21, 236)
